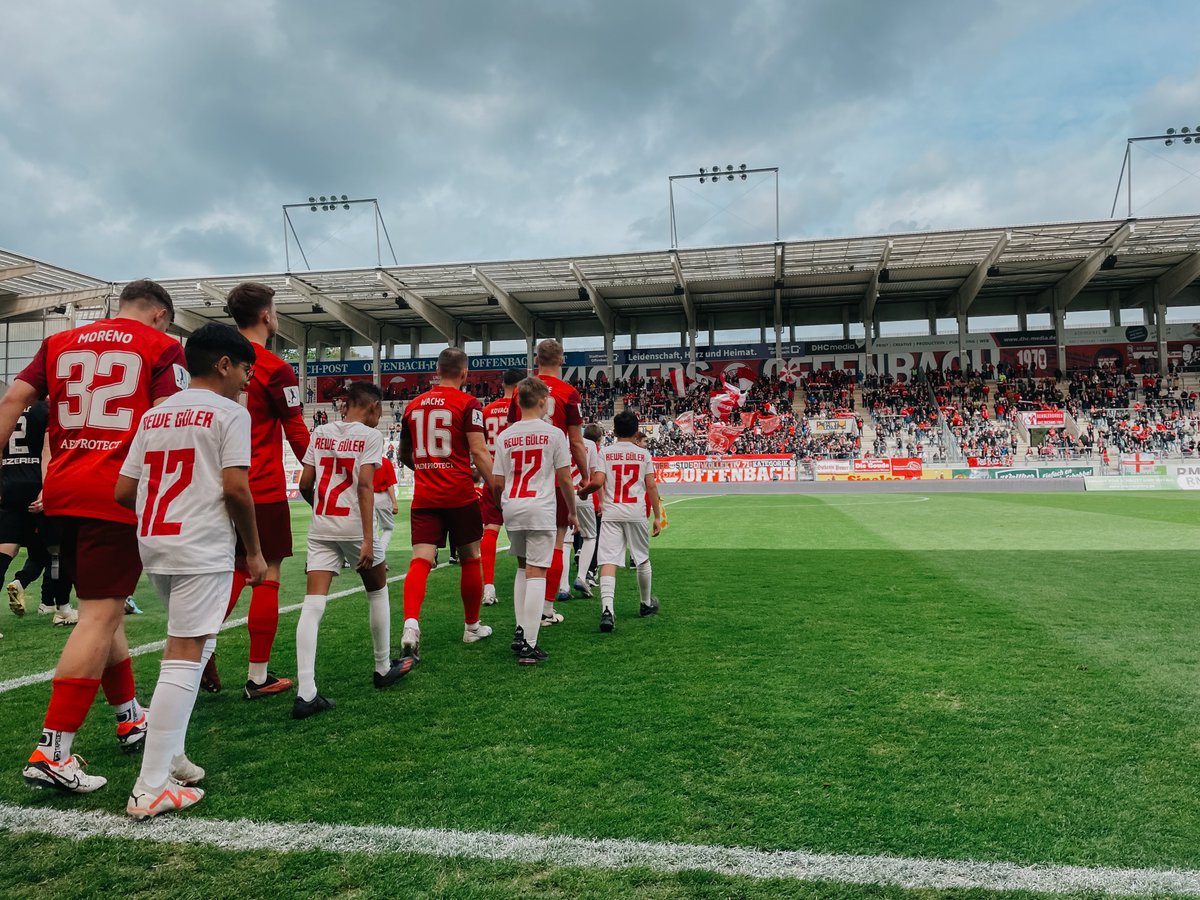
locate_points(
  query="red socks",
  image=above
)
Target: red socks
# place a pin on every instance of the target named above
(117, 681)
(70, 700)
(487, 549)
(414, 586)
(239, 582)
(264, 620)
(554, 576)
(471, 588)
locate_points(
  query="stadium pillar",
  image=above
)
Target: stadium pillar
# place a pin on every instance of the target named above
(414, 342)
(1059, 315)
(485, 338)
(608, 356)
(376, 364)
(1022, 315)
(691, 352)
(845, 325)
(530, 342)
(962, 338)
(345, 346)
(302, 373)
(1160, 334)
(1114, 309)
(633, 334)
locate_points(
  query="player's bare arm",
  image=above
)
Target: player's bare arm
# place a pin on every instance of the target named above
(19, 395)
(578, 448)
(406, 449)
(366, 509)
(125, 493)
(566, 487)
(308, 478)
(391, 492)
(477, 444)
(235, 488)
(595, 483)
(655, 503)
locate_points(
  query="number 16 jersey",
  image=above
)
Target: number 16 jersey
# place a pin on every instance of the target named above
(99, 379)
(438, 422)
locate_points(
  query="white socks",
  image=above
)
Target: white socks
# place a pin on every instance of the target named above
(306, 645)
(379, 611)
(128, 712)
(174, 696)
(535, 593)
(586, 554)
(643, 573)
(257, 672)
(608, 590)
(519, 598)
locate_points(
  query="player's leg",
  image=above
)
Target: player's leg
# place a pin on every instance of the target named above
(16, 524)
(466, 530)
(563, 587)
(16, 590)
(637, 537)
(429, 532)
(539, 547)
(593, 573)
(516, 547)
(587, 546)
(325, 560)
(611, 554)
(487, 555)
(379, 615)
(274, 521)
(167, 778)
(556, 564)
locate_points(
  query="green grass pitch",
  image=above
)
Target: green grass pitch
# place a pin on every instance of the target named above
(965, 676)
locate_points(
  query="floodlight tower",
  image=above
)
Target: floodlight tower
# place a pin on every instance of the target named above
(714, 175)
(1186, 135)
(330, 203)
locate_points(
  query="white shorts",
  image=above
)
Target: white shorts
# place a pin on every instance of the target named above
(537, 547)
(328, 555)
(615, 537)
(586, 513)
(385, 519)
(195, 604)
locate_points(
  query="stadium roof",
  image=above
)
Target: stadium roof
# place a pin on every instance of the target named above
(908, 276)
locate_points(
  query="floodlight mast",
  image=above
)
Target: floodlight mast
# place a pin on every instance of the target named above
(329, 203)
(715, 174)
(1185, 134)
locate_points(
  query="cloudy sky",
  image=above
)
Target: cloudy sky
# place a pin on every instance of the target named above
(161, 139)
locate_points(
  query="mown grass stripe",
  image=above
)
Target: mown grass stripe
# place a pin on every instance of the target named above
(910, 873)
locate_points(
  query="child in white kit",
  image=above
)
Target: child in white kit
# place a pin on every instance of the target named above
(186, 477)
(533, 460)
(338, 481)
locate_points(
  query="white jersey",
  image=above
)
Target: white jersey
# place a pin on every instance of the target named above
(579, 479)
(625, 466)
(337, 451)
(177, 456)
(528, 455)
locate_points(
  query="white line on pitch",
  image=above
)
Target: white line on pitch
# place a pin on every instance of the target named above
(13, 684)
(793, 865)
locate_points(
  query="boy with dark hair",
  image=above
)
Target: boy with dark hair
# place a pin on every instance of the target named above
(337, 481)
(273, 398)
(495, 420)
(627, 477)
(185, 476)
(533, 460)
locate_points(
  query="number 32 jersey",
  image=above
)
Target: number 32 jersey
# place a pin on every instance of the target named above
(337, 451)
(99, 379)
(177, 458)
(438, 422)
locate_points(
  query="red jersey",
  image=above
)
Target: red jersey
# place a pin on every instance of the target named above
(385, 476)
(562, 406)
(437, 424)
(495, 420)
(273, 398)
(99, 379)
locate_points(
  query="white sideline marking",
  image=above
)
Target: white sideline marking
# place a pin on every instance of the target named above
(13, 684)
(794, 865)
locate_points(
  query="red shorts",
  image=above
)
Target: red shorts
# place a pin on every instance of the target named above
(463, 524)
(489, 510)
(560, 509)
(274, 521)
(99, 558)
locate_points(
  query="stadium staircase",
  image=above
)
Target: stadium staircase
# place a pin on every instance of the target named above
(868, 426)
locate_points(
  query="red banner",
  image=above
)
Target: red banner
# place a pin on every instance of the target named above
(1043, 418)
(768, 424)
(712, 469)
(721, 437)
(898, 467)
(976, 462)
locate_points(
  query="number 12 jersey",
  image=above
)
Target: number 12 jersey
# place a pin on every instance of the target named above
(337, 451)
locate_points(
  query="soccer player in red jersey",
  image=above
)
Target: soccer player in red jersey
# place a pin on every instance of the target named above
(383, 486)
(562, 411)
(441, 433)
(273, 400)
(99, 379)
(495, 420)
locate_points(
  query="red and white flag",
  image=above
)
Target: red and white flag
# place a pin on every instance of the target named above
(686, 422)
(678, 381)
(721, 437)
(748, 419)
(769, 423)
(722, 403)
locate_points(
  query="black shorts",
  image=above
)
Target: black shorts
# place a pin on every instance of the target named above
(17, 524)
